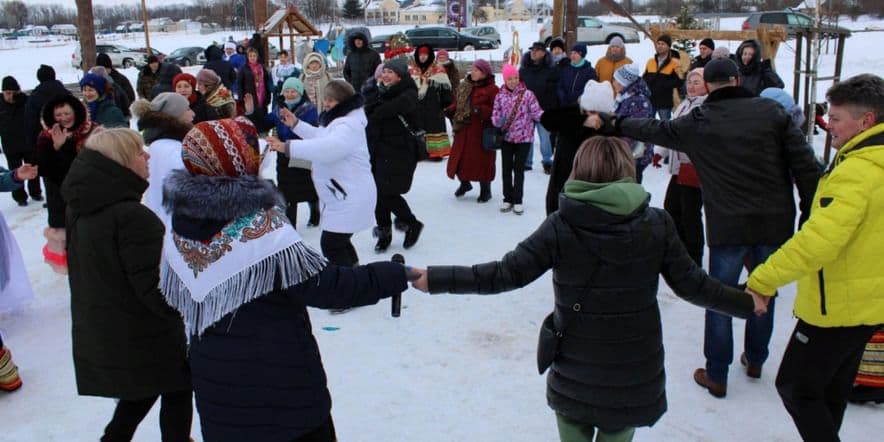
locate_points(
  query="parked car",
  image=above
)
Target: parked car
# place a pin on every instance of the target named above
(790, 20)
(153, 51)
(120, 56)
(592, 31)
(188, 56)
(489, 32)
(440, 37)
(381, 43)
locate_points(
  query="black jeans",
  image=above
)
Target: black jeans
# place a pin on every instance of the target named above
(685, 204)
(176, 414)
(338, 249)
(817, 374)
(15, 160)
(322, 433)
(396, 205)
(513, 165)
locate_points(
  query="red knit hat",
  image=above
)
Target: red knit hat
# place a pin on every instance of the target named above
(423, 50)
(184, 77)
(227, 147)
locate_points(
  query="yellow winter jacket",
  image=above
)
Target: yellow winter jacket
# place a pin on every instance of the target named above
(838, 255)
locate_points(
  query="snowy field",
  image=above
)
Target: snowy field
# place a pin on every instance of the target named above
(452, 368)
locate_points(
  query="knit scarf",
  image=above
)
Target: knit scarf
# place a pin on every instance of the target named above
(219, 97)
(464, 107)
(254, 253)
(92, 107)
(258, 72)
(579, 64)
(314, 86)
(433, 74)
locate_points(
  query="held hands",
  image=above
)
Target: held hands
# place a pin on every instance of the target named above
(248, 103)
(26, 172)
(59, 136)
(593, 121)
(287, 117)
(759, 300)
(418, 278)
(274, 144)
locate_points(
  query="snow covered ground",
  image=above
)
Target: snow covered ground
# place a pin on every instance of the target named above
(452, 368)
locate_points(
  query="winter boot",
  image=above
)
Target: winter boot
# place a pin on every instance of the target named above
(464, 187)
(400, 225)
(314, 213)
(485, 192)
(413, 233)
(9, 379)
(384, 236)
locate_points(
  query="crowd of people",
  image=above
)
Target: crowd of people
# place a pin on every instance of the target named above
(207, 265)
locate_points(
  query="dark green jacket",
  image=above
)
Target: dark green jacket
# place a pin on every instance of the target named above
(108, 115)
(127, 342)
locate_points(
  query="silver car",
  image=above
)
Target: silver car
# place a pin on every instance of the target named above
(592, 31)
(488, 32)
(120, 56)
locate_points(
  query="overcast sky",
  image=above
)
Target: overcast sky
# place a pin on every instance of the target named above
(72, 4)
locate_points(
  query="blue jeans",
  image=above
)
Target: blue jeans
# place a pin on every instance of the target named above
(665, 114)
(546, 149)
(726, 264)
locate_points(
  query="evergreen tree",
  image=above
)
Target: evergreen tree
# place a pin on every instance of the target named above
(685, 20)
(353, 9)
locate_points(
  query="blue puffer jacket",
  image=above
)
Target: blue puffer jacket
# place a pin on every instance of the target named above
(257, 372)
(572, 80)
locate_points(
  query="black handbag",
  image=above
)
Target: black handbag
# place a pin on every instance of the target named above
(549, 342)
(492, 137)
(420, 140)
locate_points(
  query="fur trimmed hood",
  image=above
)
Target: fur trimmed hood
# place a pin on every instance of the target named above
(343, 108)
(217, 198)
(158, 125)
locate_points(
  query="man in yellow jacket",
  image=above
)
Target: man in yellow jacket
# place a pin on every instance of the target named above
(837, 259)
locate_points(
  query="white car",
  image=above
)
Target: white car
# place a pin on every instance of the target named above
(592, 31)
(120, 56)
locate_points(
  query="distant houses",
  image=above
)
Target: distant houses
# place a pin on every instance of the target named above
(433, 12)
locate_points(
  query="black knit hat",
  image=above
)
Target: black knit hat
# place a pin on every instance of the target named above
(708, 43)
(104, 60)
(719, 70)
(665, 39)
(10, 84)
(557, 43)
(397, 65)
(45, 73)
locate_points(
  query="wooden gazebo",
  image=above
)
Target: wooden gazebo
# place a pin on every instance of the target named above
(288, 22)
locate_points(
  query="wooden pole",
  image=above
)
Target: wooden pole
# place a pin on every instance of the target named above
(570, 31)
(146, 28)
(87, 34)
(558, 16)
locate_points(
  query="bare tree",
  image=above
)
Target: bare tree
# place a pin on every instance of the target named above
(16, 14)
(86, 27)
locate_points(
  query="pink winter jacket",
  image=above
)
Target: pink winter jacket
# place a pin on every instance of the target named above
(522, 128)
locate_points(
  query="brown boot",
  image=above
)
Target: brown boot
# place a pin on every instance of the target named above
(753, 371)
(9, 379)
(714, 388)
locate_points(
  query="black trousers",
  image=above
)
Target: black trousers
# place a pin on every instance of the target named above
(322, 433)
(338, 249)
(176, 414)
(817, 374)
(15, 160)
(685, 205)
(513, 157)
(396, 205)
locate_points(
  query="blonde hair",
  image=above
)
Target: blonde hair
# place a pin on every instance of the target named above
(603, 160)
(119, 144)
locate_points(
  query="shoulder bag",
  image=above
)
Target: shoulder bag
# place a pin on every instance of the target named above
(420, 140)
(492, 137)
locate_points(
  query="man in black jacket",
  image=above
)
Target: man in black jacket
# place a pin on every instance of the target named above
(747, 152)
(117, 77)
(542, 78)
(215, 61)
(361, 61)
(12, 135)
(48, 89)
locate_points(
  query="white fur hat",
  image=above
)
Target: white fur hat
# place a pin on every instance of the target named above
(597, 97)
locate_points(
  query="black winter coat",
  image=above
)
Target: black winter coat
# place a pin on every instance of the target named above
(609, 372)
(246, 85)
(127, 342)
(567, 122)
(166, 74)
(747, 152)
(215, 62)
(392, 148)
(12, 125)
(757, 75)
(572, 81)
(42, 94)
(124, 83)
(360, 63)
(257, 372)
(542, 79)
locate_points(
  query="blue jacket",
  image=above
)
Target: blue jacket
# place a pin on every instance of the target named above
(572, 80)
(305, 110)
(8, 183)
(258, 372)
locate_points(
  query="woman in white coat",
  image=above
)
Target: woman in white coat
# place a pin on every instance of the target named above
(342, 175)
(163, 123)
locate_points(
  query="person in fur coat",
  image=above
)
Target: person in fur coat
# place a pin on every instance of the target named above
(434, 94)
(470, 115)
(257, 370)
(163, 122)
